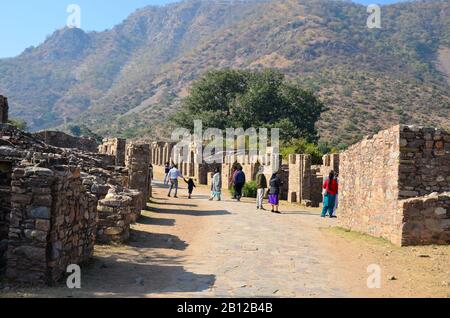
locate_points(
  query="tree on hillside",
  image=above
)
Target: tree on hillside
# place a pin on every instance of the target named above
(235, 98)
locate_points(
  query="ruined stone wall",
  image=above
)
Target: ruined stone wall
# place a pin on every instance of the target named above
(115, 147)
(4, 109)
(63, 140)
(378, 174)
(426, 219)
(330, 163)
(368, 195)
(52, 224)
(114, 218)
(300, 177)
(138, 164)
(424, 161)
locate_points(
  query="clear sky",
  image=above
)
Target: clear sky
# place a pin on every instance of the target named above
(24, 23)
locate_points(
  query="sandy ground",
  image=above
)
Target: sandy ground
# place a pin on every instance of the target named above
(198, 248)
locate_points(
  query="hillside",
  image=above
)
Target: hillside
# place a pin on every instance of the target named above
(127, 80)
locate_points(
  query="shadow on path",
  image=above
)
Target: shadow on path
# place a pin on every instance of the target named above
(140, 239)
(189, 212)
(154, 221)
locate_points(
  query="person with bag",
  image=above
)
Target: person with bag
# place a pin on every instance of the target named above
(330, 190)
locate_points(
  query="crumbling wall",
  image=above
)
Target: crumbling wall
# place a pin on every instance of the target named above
(63, 140)
(138, 164)
(52, 224)
(4, 109)
(300, 178)
(330, 163)
(424, 161)
(426, 220)
(380, 174)
(115, 147)
(114, 218)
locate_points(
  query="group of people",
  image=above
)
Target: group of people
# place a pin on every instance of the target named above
(238, 180)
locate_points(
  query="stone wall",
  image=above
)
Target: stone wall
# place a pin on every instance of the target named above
(300, 178)
(139, 169)
(63, 140)
(379, 173)
(52, 224)
(114, 218)
(426, 220)
(424, 161)
(5, 208)
(4, 109)
(115, 147)
(368, 195)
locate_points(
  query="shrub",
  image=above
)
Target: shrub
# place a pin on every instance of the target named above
(250, 190)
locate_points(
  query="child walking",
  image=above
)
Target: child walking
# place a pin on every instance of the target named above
(191, 186)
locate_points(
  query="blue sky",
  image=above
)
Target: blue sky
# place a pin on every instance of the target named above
(24, 23)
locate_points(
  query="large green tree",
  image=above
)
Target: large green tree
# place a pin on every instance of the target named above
(235, 98)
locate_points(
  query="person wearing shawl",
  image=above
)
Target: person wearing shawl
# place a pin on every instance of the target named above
(216, 186)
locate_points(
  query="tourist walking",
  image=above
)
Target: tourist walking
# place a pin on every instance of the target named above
(261, 183)
(274, 192)
(191, 186)
(166, 173)
(173, 175)
(239, 182)
(330, 190)
(216, 186)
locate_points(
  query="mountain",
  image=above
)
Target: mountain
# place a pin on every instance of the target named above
(127, 80)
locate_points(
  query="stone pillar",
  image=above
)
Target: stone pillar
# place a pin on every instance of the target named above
(138, 163)
(299, 179)
(114, 218)
(4, 109)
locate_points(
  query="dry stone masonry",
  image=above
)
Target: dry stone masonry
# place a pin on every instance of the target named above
(58, 202)
(379, 173)
(115, 147)
(63, 140)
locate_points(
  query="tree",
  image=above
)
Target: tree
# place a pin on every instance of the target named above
(235, 98)
(19, 123)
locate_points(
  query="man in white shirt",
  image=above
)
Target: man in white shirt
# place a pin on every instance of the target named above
(174, 174)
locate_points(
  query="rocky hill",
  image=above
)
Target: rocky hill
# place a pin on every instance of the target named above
(127, 80)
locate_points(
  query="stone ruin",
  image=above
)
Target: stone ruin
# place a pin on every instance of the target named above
(57, 203)
(115, 147)
(4, 109)
(63, 140)
(306, 179)
(396, 185)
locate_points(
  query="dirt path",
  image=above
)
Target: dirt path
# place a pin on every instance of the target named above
(198, 248)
